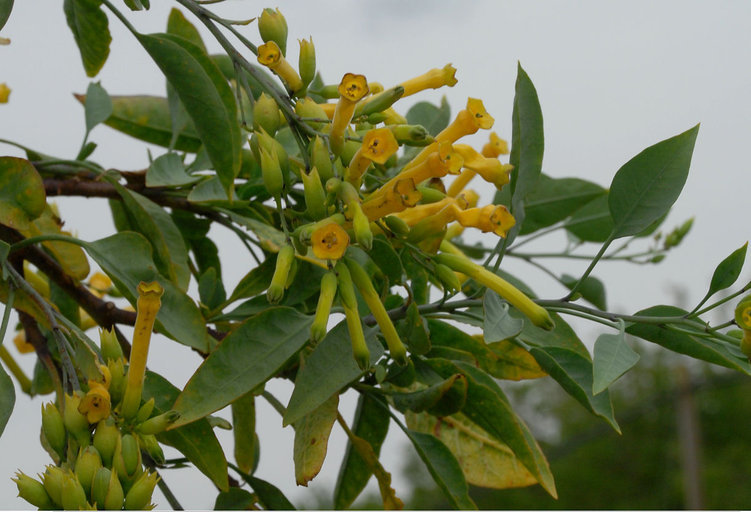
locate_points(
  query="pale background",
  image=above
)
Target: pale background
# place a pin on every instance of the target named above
(612, 78)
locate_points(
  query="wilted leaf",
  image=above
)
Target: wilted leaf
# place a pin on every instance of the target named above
(312, 438)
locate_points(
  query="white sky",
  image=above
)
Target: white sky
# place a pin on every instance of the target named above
(612, 78)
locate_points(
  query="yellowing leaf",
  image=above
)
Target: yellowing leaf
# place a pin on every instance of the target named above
(485, 461)
(22, 196)
(312, 438)
(513, 362)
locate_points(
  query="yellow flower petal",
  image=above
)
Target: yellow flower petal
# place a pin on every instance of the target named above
(23, 346)
(433, 79)
(4, 92)
(96, 404)
(353, 87)
(495, 147)
(330, 242)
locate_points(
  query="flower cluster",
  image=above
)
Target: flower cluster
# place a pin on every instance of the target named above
(356, 187)
(96, 438)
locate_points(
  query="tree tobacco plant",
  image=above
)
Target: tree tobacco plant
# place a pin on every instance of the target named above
(356, 214)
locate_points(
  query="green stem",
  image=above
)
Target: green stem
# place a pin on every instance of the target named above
(720, 302)
(590, 267)
(168, 494)
(46, 238)
(276, 404)
(539, 234)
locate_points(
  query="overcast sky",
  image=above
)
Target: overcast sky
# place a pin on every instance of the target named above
(612, 78)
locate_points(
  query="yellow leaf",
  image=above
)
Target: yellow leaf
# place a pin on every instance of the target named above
(312, 438)
(485, 461)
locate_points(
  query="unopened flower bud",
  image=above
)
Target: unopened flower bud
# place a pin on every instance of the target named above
(284, 260)
(325, 300)
(73, 496)
(105, 440)
(53, 428)
(273, 27)
(266, 114)
(32, 491)
(159, 423)
(307, 61)
(315, 196)
(448, 278)
(139, 495)
(106, 490)
(150, 445)
(52, 479)
(320, 159)
(306, 107)
(127, 460)
(396, 225)
(378, 102)
(110, 346)
(273, 178)
(411, 134)
(354, 322)
(144, 412)
(87, 464)
(117, 384)
(75, 422)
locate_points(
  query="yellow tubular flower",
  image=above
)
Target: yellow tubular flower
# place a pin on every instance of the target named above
(460, 182)
(328, 109)
(393, 117)
(537, 314)
(23, 346)
(271, 56)
(490, 168)
(377, 146)
(352, 89)
(147, 306)
(96, 404)
(402, 195)
(325, 300)
(100, 283)
(4, 92)
(330, 242)
(467, 122)
(433, 79)
(414, 215)
(489, 219)
(363, 283)
(495, 147)
(354, 322)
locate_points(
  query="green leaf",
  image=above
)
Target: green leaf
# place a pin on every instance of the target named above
(512, 362)
(714, 351)
(211, 289)
(527, 147)
(646, 186)
(386, 258)
(244, 432)
(440, 399)
(147, 118)
(269, 496)
(169, 171)
(612, 358)
(498, 324)
(98, 106)
(329, 368)
(256, 281)
(22, 195)
(554, 199)
(196, 441)
(591, 222)
(4, 251)
(727, 272)
(444, 469)
(234, 499)
(591, 289)
(6, 6)
(209, 192)
(485, 461)
(253, 353)
(178, 24)
(311, 439)
(126, 258)
(271, 239)
(91, 31)
(372, 425)
(207, 98)
(150, 219)
(489, 409)
(433, 118)
(7, 398)
(573, 372)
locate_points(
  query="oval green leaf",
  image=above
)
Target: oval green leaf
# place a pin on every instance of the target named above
(22, 195)
(90, 28)
(612, 358)
(7, 398)
(497, 323)
(253, 353)
(554, 199)
(646, 186)
(728, 271)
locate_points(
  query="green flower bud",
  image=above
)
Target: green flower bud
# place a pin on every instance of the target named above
(290, 279)
(273, 178)
(127, 460)
(270, 144)
(323, 310)
(266, 114)
(278, 281)
(52, 479)
(117, 385)
(431, 194)
(315, 197)
(144, 412)
(32, 491)
(111, 348)
(53, 428)
(307, 62)
(106, 438)
(363, 233)
(379, 102)
(351, 199)
(306, 107)
(87, 464)
(329, 92)
(106, 491)
(158, 424)
(320, 159)
(411, 134)
(305, 232)
(273, 27)
(139, 496)
(74, 421)
(396, 225)
(354, 322)
(448, 279)
(150, 445)
(73, 496)
(364, 284)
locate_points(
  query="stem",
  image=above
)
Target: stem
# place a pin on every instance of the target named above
(276, 404)
(171, 498)
(590, 268)
(718, 303)
(539, 234)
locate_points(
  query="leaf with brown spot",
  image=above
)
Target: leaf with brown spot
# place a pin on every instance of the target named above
(312, 438)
